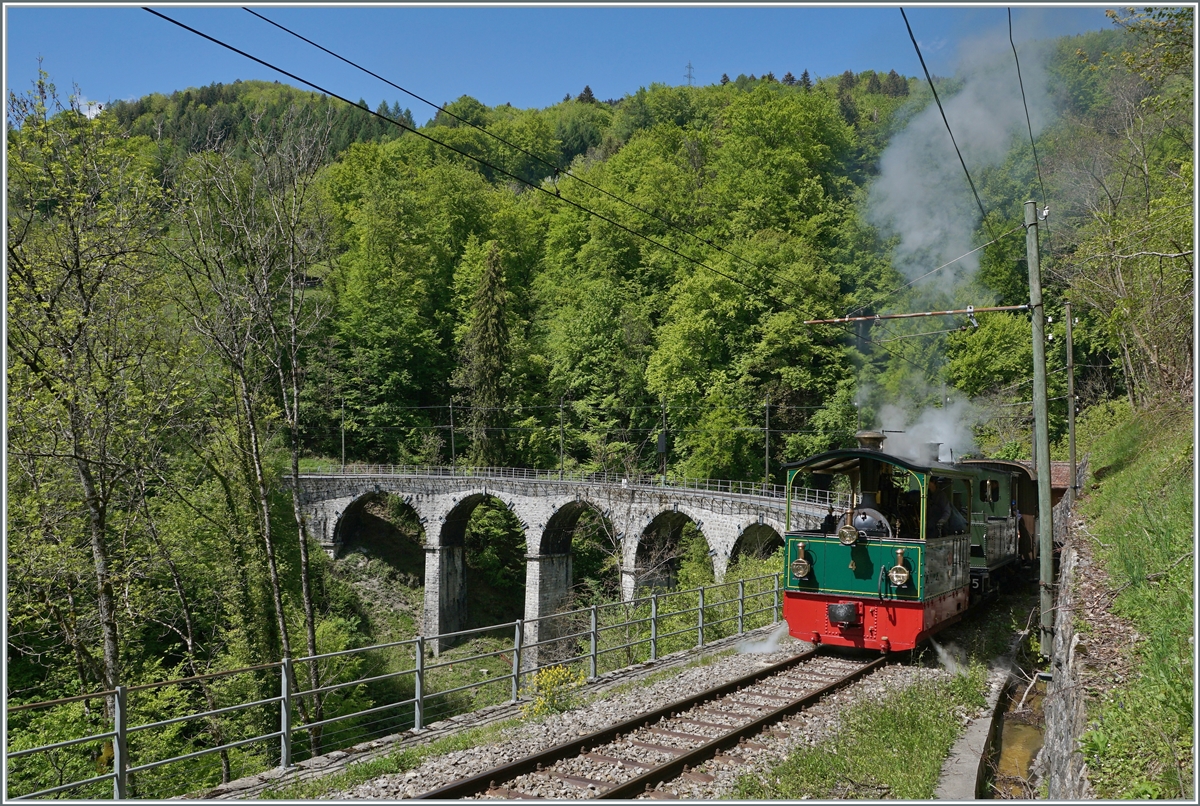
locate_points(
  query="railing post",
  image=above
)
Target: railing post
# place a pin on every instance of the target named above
(120, 748)
(517, 640)
(285, 713)
(700, 621)
(654, 626)
(595, 642)
(741, 606)
(775, 601)
(419, 686)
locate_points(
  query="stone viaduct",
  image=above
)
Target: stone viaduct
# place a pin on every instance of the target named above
(548, 507)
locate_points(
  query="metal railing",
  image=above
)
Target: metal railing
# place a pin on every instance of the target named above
(363, 693)
(740, 488)
(110, 752)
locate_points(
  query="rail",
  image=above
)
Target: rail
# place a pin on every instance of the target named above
(260, 716)
(838, 500)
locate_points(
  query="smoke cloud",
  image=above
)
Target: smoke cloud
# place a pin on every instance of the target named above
(922, 194)
(953, 426)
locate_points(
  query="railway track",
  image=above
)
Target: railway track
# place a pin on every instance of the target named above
(630, 759)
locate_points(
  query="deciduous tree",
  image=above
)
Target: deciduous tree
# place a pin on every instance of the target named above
(83, 209)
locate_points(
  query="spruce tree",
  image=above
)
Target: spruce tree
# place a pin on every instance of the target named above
(769, 77)
(873, 83)
(482, 359)
(788, 78)
(805, 81)
(724, 78)
(895, 85)
(586, 96)
(848, 108)
(847, 81)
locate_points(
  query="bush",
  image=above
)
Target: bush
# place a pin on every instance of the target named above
(554, 691)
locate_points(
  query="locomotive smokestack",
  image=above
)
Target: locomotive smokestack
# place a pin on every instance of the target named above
(931, 452)
(870, 440)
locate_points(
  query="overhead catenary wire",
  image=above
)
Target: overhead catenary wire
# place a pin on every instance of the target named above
(1017, 228)
(1028, 123)
(938, 101)
(925, 333)
(1029, 402)
(358, 428)
(557, 169)
(575, 405)
(472, 157)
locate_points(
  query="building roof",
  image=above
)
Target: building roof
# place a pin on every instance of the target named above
(1060, 474)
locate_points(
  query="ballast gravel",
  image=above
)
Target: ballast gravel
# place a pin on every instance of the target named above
(814, 725)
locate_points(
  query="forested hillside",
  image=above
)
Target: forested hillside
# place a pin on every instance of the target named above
(208, 289)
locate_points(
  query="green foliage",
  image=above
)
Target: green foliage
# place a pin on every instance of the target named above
(997, 353)
(196, 119)
(695, 564)
(721, 444)
(483, 356)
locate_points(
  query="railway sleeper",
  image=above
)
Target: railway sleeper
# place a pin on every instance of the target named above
(678, 734)
(511, 794)
(620, 762)
(581, 782)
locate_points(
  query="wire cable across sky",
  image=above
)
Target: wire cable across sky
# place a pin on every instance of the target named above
(761, 293)
(556, 170)
(929, 78)
(535, 186)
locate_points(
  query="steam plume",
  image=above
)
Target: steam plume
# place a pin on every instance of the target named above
(922, 194)
(952, 426)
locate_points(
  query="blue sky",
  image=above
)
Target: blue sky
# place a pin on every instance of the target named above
(526, 56)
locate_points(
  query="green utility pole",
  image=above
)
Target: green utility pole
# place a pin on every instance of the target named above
(1041, 431)
(453, 457)
(1073, 490)
(767, 446)
(662, 443)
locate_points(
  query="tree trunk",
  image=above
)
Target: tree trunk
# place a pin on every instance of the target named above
(264, 503)
(97, 515)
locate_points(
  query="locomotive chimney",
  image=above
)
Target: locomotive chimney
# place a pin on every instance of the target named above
(869, 472)
(932, 450)
(870, 440)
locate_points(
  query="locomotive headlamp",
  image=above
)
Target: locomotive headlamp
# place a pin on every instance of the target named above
(898, 574)
(800, 566)
(847, 535)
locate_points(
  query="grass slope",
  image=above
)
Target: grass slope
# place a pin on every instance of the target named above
(1139, 508)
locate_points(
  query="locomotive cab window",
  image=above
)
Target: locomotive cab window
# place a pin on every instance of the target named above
(989, 490)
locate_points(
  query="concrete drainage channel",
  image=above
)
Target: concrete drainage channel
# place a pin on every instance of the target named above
(965, 772)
